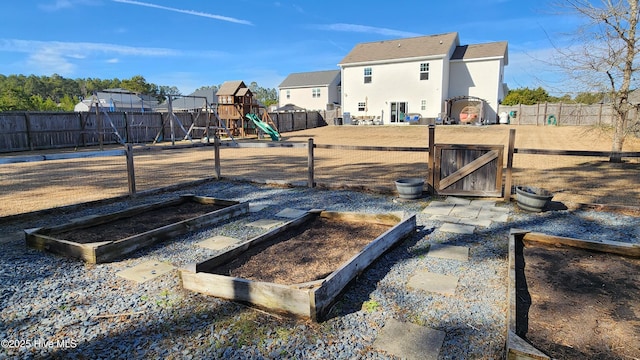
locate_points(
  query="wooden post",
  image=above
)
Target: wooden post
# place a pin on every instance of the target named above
(216, 152)
(519, 113)
(600, 114)
(310, 164)
(131, 177)
(170, 114)
(83, 128)
(27, 126)
(431, 161)
(99, 123)
(508, 180)
(127, 128)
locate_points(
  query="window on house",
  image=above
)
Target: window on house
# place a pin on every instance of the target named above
(315, 92)
(367, 75)
(288, 94)
(362, 106)
(424, 71)
(423, 105)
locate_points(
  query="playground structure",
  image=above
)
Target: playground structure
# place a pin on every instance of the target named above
(265, 124)
(204, 123)
(235, 100)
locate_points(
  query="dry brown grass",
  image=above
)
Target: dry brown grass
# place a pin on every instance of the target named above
(33, 186)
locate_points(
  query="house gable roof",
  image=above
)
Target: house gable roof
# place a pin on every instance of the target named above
(422, 46)
(230, 88)
(306, 79)
(479, 51)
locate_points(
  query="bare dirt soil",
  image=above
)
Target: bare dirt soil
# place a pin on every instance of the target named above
(309, 253)
(579, 304)
(138, 224)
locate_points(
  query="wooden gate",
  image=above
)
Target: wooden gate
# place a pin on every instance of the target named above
(468, 170)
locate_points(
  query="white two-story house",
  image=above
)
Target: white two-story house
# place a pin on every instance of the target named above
(430, 76)
(311, 90)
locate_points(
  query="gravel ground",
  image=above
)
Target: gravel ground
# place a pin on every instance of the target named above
(54, 307)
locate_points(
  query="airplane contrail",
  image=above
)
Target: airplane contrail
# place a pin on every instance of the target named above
(190, 12)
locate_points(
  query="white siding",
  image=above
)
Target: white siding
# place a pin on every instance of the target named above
(303, 96)
(479, 78)
(394, 82)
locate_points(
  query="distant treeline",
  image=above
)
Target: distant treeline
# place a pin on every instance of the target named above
(56, 93)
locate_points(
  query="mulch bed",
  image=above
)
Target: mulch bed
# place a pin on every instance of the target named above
(309, 253)
(578, 303)
(138, 224)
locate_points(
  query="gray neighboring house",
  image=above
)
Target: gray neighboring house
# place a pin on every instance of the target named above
(191, 102)
(318, 90)
(119, 100)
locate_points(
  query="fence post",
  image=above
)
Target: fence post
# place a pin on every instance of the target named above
(508, 178)
(27, 126)
(431, 161)
(310, 164)
(127, 128)
(216, 154)
(131, 177)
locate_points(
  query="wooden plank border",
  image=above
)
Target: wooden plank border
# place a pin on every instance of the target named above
(309, 300)
(44, 238)
(517, 348)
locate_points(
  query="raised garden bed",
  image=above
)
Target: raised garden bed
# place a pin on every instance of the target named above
(103, 238)
(572, 298)
(301, 267)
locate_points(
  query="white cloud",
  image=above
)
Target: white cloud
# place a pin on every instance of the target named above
(66, 48)
(189, 12)
(366, 29)
(61, 57)
(51, 62)
(64, 4)
(113, 61)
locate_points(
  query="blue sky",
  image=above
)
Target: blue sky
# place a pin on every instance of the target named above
(194, 43)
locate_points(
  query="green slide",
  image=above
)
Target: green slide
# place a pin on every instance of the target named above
(275, 135)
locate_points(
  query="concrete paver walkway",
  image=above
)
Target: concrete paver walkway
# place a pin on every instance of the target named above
(409, 341)
(463, 215)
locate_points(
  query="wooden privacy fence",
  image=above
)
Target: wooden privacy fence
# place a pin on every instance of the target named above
(564, 114)
(28, 131)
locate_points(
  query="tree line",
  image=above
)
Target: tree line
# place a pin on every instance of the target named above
(56, 93)
(526, 96)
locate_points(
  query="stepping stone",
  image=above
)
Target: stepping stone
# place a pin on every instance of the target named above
(457, 200)
(452, 252)
(254, 208)
(432, 282)
(457, 228)
(218, 242)
(497, 216)
(146, 271)
(464, 211)
(445, 218)
(475, 222)
(409, 341)
(266, 223)
(291, 213)
(438, 208)
(483, 203)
